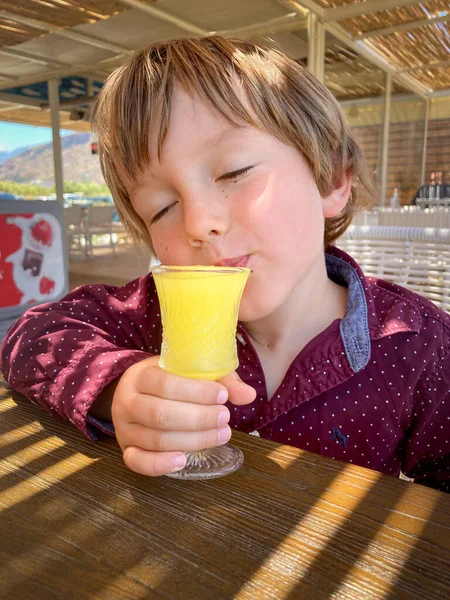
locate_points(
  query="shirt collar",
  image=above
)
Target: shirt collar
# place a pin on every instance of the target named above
(362, 321)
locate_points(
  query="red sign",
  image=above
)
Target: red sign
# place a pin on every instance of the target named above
(31, 259)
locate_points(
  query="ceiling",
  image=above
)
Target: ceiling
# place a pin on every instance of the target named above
(80, 42)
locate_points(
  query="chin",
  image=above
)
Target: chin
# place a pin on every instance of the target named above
(253, 311)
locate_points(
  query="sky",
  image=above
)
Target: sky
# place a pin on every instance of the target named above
(15, 135)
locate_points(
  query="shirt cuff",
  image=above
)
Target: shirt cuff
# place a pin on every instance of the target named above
(92, 424)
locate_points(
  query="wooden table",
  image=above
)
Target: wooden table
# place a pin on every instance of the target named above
(76, 523)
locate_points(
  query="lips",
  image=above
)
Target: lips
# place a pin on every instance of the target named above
(237, 261)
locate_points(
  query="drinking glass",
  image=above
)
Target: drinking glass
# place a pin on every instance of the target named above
(199, 313)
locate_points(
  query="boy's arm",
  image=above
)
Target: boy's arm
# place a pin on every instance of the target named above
(63, 355)
(427, 449)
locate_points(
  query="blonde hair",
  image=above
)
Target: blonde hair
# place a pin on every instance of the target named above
(283, 98)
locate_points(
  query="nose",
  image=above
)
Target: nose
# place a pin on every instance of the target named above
(205, 218)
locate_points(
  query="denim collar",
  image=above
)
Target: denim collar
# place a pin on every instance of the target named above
(354, 327)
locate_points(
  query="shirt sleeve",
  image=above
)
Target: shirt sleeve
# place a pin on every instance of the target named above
(62, 355)
(427, 450)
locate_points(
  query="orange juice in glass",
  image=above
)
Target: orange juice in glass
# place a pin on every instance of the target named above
(199, 313)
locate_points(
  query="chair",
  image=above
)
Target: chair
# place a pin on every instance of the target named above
(74, 223)
(415, 257)
(99, 224)
(120, 234)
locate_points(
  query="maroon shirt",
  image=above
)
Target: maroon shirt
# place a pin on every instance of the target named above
(373, 389)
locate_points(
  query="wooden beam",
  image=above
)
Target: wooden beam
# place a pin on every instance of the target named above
(77, 69)
(350, 79)
(316, 46)
(8, 76)
(440, 93)
(63, 32)
(425, 141)
(71, 103)
(41, 60)
(286, 23)
(303, 7)
(11, 107)
(53, 94)
(355, 9)
(385, 144)
(410, 26)
(378, 100)
(14, 99)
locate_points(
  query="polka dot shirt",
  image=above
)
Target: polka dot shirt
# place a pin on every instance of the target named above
(372, 389)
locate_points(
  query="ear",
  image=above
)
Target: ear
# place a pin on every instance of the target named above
(334, 202)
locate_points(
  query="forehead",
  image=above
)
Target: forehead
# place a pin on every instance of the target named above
(191, 115)
(191, 112)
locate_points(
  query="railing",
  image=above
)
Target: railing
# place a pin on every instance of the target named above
(407, 216)
(415, 257)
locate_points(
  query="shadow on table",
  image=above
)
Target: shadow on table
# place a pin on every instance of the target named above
(94, 528)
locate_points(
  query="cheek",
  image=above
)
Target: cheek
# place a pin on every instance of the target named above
(168, 246)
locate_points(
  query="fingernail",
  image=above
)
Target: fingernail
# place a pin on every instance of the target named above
(224, 434)
(222, 397)
(224, 417)
(177, 462)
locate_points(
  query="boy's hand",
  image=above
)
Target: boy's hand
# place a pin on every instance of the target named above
(158, 415)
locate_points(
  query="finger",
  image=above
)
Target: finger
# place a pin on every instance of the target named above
(154, 381)
(170, 441)
(238, 391)
(153, 464)
(171, 415)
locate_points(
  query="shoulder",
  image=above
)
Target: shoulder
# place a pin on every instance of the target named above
(429, 320)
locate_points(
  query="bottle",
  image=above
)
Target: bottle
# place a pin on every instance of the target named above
(395, 199)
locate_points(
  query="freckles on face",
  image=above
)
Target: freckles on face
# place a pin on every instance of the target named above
(170, 247)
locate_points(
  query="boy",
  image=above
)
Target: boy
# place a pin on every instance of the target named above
(219, 152)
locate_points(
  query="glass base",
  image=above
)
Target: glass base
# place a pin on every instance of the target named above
(211, 463)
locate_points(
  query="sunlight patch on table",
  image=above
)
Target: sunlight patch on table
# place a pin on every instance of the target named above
(291, 566)
(370, 557)
(19, 434)
(285, 458)
(42, 480)
(6, 405)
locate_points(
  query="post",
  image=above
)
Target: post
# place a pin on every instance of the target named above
(425, 140)
(53, 97)
(385, 146)
(316, 46)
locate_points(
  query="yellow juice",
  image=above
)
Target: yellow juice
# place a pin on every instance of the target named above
(199, 313)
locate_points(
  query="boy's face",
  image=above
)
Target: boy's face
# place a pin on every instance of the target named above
(239, 195)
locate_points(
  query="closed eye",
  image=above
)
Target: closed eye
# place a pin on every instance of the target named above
(234, 174)
(226, 177)
(161, 213)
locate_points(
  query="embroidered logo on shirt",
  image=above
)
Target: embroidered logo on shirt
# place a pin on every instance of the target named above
(338, 437)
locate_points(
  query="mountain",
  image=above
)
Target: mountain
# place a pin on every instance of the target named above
(35, 163)
(5, 154)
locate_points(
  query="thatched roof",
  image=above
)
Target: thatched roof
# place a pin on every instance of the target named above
(40, 40)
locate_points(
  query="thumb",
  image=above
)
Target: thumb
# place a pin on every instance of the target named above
(238, 391)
